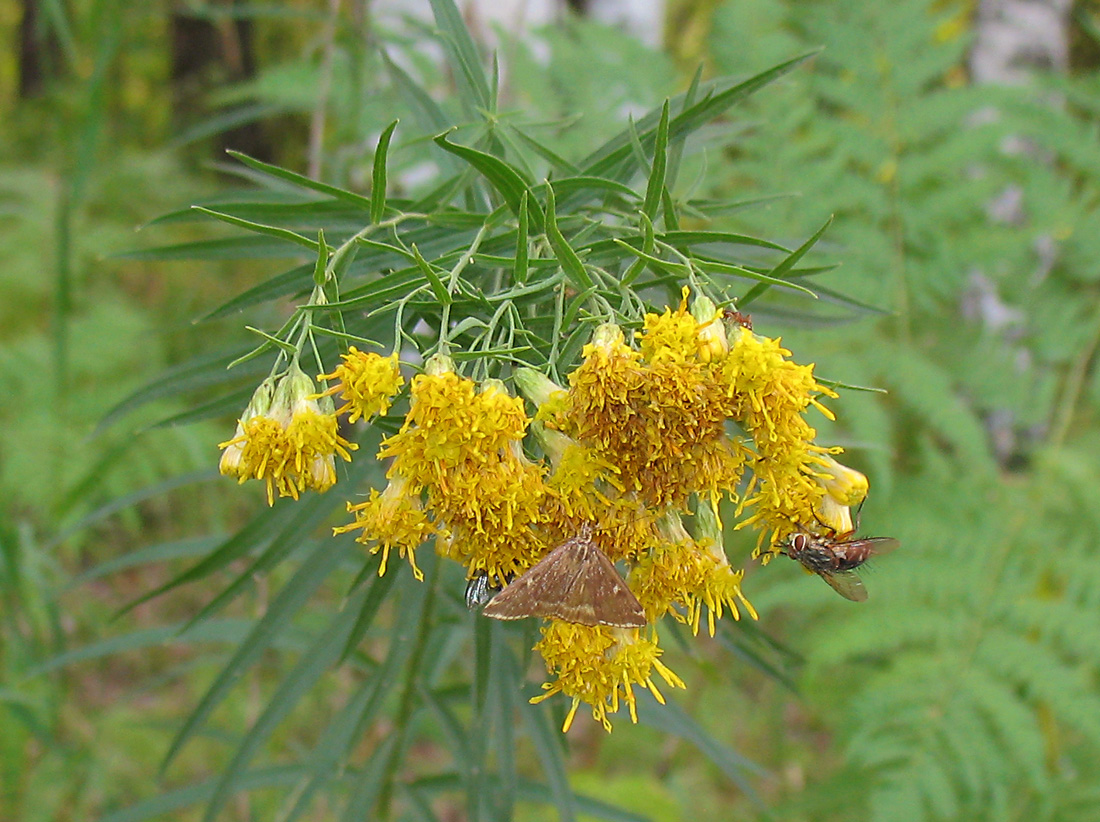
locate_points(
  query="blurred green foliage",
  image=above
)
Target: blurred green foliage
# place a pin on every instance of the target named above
(965, 689)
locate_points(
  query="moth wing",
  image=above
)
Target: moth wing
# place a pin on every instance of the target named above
(598, 595)
(847, 584)
(538, 590)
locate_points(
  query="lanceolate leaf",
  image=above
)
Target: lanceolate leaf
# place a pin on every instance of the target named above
(501, 175)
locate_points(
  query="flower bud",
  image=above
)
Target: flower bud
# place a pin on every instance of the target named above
(535, 385)
(845, 485)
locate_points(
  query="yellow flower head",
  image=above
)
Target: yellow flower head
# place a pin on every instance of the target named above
(846, 486)
(600, 666)
(832, 516)
(239, 453)
(713, 340)
(392, 519)
(671, 335)
(661, 424)
(312, 433)
(689, 573)
(581, 478)
(367, 381)
(491, 510)
(605, 389)
(450, 423)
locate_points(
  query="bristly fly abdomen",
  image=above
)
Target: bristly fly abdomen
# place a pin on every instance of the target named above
(479, 591)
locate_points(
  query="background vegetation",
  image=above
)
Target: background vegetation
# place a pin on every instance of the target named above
(965, 227)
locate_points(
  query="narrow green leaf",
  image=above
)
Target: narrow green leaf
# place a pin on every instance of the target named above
(328, 757)
(648, 243)
(519, 268)
(557, 162)
(455, 735)
(615, 151)
(378, 178)
(504, 677)
(259, 228)
(656, 185)
(546, 738)
(672, 719)
(219, 407)
(158, 552)
(308, 514)
(766, 280)
(281, 285)
(303, 181)
(321, 263)
(254, 534)
(220, 630)
(433, 278)
(676, 147)
(311, 666)
(111, 508)
(503, 177)
(369, 783)
(567, 186)
(784, 267)
(292, 598)
(668, 208)
(684, 239)
(847, 386)
(676, 269)
(570, 263)
(232, 248)
(176, 800)
(463, 56)
(377, 591)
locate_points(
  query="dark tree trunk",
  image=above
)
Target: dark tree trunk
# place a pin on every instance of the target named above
(205, 55)
(39, 52)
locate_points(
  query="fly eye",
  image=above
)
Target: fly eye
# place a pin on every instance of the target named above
(798, 542)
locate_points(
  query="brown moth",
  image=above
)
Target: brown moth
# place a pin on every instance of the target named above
(575, 582)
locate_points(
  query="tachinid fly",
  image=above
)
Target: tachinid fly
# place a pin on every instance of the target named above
(835, 559)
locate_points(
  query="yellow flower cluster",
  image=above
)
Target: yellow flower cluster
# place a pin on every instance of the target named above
(640, 439)
(287, 438)
(460, 446)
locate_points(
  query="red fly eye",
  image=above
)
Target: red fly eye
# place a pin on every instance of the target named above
(798, 542)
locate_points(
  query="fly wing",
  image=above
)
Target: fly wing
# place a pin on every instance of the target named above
(539, 590)
(599, 596)
(847, 584)
(881, 545)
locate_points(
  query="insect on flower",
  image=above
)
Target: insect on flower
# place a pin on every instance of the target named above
(835, 559)
(575, 582)
(479, 591)
(744, 320)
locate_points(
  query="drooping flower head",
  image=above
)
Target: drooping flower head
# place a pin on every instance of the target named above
(391, 520)
(287, 439)
(600, 666)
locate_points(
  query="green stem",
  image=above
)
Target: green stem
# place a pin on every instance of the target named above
(408, 692)
(452, 282)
